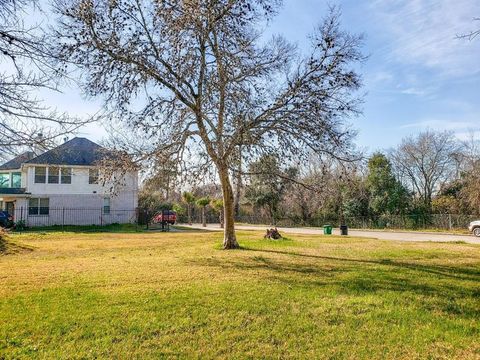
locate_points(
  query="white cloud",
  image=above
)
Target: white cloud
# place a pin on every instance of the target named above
(437, 124)
(423, 32)
(414, 91)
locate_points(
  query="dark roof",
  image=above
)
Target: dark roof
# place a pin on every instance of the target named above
(78, 151)
(17, 162)
(12, 191)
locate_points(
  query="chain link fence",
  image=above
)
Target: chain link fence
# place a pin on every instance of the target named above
(394, 222)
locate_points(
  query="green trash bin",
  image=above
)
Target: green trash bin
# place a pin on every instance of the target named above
(327, 229)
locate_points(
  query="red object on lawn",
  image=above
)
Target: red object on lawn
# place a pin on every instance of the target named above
(167, 216)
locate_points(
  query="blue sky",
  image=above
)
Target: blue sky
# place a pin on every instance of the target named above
(418, 74)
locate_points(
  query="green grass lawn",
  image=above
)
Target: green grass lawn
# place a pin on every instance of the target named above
(177, 295)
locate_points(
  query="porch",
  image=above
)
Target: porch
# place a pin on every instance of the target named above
(13, 199)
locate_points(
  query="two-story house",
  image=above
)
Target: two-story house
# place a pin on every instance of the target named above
(63, 186)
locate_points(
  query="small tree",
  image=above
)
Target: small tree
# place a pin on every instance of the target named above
(203, 203)
(152, 201)
(386, 194)
(178, 208)
(189, 200)
(217, 206)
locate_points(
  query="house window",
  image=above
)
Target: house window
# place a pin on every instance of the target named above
(40, 174)
(93, 176)
(44, 206)
(39, 206)
(16, 180)
(106, 205)
(33, 204)
(4, 180)
(53, 175)
(66, 175)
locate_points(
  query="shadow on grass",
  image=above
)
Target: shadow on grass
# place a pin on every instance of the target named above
(460, 273)
(111, 228)
(3, 245)
(189, 229)
(8, 247)
(453, 290)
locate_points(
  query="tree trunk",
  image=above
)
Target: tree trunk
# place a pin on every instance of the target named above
(204, 221)
(342, 218)
(238, 194)
(272, 215)
(168, 187)
(229, 239)
(189, 212)
(238, 186)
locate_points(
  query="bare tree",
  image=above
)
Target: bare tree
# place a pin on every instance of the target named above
(472, 34)
(309, 193)
(470, 151)
(26, 67)
(470, 191)
(161, 177)
(185, 75)
(426, 162)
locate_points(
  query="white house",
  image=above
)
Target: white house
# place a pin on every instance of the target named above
(61, 186)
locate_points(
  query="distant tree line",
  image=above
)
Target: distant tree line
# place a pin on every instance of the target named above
(430, 173)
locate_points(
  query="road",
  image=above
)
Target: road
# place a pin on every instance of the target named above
(382, 235)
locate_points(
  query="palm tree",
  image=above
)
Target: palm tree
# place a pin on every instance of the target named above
(203, 202)
(189, 199)
(217, 205)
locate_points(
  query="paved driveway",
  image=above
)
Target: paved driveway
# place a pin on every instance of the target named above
(382, 235)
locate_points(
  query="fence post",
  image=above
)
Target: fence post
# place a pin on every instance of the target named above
(137, 216)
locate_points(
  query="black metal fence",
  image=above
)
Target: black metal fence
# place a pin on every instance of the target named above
(32, 217)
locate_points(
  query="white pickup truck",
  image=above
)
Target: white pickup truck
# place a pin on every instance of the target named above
(474, 227)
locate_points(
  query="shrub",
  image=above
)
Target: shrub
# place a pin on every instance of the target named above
(20, 225)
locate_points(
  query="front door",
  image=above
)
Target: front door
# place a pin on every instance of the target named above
(10, 207)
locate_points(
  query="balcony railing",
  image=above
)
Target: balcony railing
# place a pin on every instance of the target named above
(12, 191)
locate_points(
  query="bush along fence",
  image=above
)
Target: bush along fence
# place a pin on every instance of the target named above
(394, 222)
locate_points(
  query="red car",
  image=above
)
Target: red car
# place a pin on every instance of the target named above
(167, 216)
